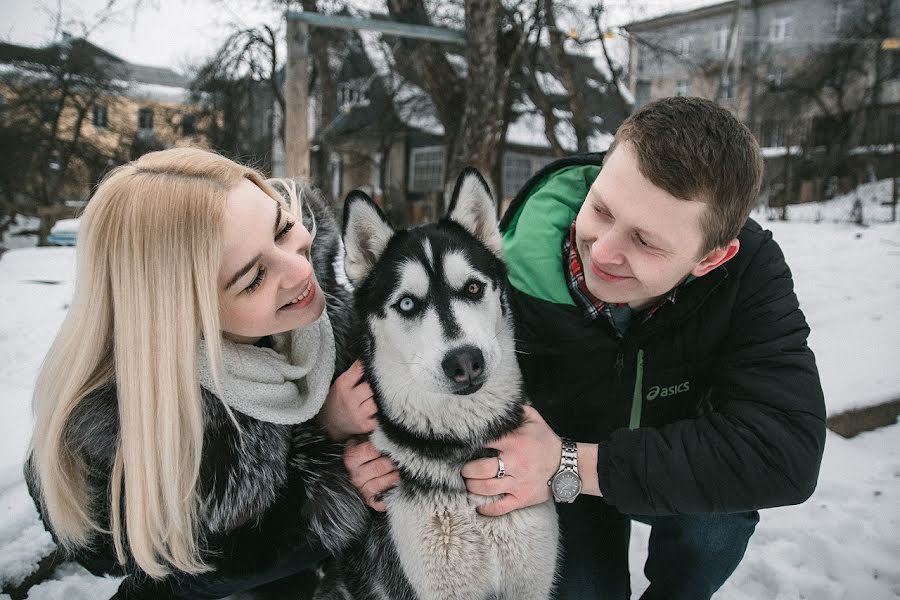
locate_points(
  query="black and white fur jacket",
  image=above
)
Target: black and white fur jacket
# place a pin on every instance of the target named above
(265, 490)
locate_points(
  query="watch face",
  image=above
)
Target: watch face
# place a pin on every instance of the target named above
(566, 485)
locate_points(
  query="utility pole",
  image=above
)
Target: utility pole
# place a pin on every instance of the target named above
(296, 134)
(731, 64)
(754, 66)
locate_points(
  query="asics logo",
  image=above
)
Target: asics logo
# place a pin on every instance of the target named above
(663, 392)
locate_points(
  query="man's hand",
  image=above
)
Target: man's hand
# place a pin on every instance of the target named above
(371, 472)
(530, 456)
(349, 408)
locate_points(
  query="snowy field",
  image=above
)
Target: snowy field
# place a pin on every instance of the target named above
(844, 543)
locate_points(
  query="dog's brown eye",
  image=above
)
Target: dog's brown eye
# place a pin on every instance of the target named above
(474, 288)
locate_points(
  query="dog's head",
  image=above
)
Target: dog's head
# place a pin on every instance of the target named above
(439, 347)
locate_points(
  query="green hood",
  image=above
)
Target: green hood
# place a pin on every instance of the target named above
(532, 239)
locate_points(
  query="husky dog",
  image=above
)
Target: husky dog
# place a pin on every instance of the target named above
(438, 350)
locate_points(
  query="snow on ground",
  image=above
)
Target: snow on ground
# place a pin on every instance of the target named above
(843, 543)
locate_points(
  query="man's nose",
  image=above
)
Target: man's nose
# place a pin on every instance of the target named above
(608, 248)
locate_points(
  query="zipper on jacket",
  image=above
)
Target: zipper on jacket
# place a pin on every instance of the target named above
(620, 363)
(637, 399)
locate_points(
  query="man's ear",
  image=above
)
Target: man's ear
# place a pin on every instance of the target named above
(366, 235)
(716, 258)
(473, 207)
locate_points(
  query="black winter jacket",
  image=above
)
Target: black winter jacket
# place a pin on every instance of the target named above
(712, 405)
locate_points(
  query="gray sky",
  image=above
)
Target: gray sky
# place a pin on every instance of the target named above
(176, 33)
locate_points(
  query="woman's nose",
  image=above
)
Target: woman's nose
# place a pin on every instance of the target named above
(296, 268)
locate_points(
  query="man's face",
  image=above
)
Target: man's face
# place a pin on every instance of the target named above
(637, 241)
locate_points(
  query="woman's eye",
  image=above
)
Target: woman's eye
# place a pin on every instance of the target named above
(284, 230)
(260, 275)
(406, 305)
(474, 289)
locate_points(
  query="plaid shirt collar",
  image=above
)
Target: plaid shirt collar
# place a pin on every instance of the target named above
(594, 307)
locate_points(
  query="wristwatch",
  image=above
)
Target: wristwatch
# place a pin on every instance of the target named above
(566, 483)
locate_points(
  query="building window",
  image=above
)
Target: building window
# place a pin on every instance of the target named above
(683, 46)
(518, 169)
(772, 134)
(642, 93)
(683, 87)
(188, 125)
(352, 94)
(840, 11)
(426, 169)
(780, 29)
(145, 118)
(101, 115)
(722, 35)
(49, 111)
(335, 168)
(727, 88)
(775, 78)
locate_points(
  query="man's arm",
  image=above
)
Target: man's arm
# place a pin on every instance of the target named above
(760, 446)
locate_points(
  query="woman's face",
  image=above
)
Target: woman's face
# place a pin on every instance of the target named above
(266, 282)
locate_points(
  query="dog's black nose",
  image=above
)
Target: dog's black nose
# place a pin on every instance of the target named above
(464, 365)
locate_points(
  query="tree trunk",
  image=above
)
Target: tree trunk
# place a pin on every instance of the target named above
(580, 120)
(478, 136)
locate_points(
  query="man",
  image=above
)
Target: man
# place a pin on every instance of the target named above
(660, 336)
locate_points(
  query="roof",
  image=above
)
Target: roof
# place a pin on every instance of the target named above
(686, 16)
(393, 100)
(681, 16)
(129, 72)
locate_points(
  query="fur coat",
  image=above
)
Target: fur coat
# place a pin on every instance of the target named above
(264, 491)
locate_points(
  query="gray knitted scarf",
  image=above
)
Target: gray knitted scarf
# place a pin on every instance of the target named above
(285, 384)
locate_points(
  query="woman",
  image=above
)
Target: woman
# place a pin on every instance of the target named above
(173, 438)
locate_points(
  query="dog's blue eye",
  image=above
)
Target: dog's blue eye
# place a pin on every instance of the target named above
(406, 304)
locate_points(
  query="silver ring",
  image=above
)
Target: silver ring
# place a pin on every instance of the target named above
(501, 468)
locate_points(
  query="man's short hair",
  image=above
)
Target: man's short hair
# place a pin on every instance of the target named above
(696, 150)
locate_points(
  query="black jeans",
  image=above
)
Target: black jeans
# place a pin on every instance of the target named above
(294, 570)
(689, 558)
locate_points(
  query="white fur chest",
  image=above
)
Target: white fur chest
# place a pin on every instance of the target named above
(449, 551)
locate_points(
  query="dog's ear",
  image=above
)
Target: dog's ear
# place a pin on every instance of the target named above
(366, 234)
(473, 207)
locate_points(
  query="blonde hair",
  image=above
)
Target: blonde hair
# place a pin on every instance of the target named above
(148, 255)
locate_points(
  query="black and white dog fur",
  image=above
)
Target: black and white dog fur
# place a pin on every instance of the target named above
(439, 353)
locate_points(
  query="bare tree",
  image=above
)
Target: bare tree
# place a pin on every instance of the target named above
(837, 88)
(53, 95)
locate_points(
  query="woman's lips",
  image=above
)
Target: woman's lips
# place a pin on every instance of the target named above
(303, 300)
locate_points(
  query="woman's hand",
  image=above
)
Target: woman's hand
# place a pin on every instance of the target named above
(349, 408)
(371, 472)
